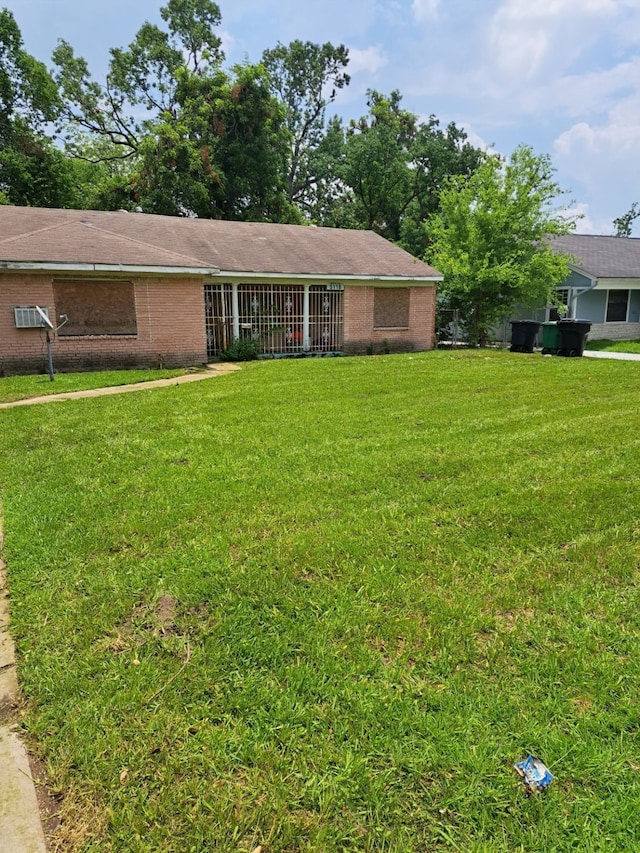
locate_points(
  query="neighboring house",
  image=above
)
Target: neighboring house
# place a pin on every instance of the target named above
(604, 284)
(137, 289)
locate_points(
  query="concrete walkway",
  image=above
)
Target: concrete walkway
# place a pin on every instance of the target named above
(621, 356)
(211, 371)
(20, 820)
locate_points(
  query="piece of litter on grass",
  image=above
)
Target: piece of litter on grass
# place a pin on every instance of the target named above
(535, 776)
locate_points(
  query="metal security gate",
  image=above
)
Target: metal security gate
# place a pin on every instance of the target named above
(218, 318)
(326, 319)
(284, 319)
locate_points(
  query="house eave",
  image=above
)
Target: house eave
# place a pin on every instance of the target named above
(316, 277)
(129, 269)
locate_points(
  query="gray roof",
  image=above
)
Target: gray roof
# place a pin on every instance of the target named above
(39, 235)
(602, 257)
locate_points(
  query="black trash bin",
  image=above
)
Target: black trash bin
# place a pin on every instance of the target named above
(523, 335)
(573, 335)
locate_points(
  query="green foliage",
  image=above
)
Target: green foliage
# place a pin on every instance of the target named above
(301, 74)
(208, 143)
(242, 349)
(32, 170)
(489, 240)
(624, 224)
(394, 167)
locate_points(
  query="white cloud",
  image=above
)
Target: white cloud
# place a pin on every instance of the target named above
(228, 42)
(528, 38)
(423, 10)
(371, 59)
(580, 214)
(604, 159)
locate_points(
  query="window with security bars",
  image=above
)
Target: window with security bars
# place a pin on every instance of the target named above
(273, 315)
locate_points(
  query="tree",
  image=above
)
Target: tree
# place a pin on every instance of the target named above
(221, 153)
(143, 79)
(306, 78)
(489, 240)
(377, 164)
(201, 141)
(436, 155)
(623, 224)
(32, 170)
(393, 168)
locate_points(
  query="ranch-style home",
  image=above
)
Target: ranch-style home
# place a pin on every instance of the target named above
(131, 289)
(604, 284)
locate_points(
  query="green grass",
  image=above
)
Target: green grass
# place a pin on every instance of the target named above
(614, 346)
(22, 387)
(325, 605)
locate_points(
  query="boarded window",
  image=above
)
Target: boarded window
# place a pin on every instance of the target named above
(391, 308)
(96, 307)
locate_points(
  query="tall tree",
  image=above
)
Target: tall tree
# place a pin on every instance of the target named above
(221, 153)
(393, 168)
(489, 240)
(202, 141)
(436, 155)
(306, 78)
(143, 80)
(377, 164)
(32, 170)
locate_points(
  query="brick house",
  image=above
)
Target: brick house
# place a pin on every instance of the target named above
(136, 289)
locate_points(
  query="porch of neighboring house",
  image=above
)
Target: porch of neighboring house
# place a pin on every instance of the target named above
(291, 319)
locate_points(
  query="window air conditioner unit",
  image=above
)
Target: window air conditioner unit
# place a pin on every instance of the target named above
(32, 318)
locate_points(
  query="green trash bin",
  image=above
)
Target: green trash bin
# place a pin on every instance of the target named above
(550, 338)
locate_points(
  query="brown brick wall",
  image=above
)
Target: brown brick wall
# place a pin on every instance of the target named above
(360, 335)
(170, 328)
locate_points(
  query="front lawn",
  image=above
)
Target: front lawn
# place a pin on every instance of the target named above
(325, 605)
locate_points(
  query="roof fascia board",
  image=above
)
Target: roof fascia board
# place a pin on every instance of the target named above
(314, 277)
(592, 278)
(48, 266)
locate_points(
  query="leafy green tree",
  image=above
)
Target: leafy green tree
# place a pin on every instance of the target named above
(436, 155)
(393, 168)
(306, 78)
(376, 165)
(221, 153)
(32, 170)
(201, 141)
(624, 224)
(489, 240)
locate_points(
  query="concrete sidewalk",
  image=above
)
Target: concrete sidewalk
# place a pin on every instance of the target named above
(621, 356)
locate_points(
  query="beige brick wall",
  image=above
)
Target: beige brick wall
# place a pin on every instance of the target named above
(615, 331)
(170, 321)
(360, 335)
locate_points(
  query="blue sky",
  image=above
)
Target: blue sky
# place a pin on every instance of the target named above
(560, 75)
